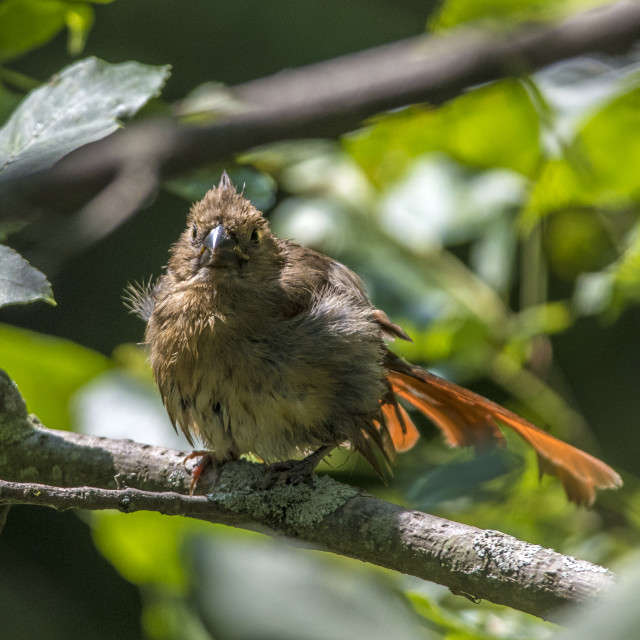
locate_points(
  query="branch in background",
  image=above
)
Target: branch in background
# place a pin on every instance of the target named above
(334, 97)
(330, 516)
(322, 100)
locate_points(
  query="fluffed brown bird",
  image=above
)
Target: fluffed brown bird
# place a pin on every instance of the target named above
(262, 346)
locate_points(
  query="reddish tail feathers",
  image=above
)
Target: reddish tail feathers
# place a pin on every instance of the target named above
(465, 418)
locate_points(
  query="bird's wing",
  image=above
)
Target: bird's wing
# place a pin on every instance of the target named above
(306, 273)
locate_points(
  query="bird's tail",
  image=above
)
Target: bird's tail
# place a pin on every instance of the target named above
(466, 418)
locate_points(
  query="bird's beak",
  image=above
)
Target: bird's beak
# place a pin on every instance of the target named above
(218, 249)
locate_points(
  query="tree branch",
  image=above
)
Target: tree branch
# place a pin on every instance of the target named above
(56, 469)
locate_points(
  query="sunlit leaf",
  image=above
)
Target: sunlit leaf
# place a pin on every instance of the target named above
(495, 126)
(26, 24)
(626, 271)
(79, 20)
(610, 142)
(558, 186)
(455, 12)
(20, 282)
(574, 90)
(82, 104)
(144, 546)
(47, 371)
(548, 318)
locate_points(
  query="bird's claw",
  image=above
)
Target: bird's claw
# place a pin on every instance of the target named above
(202, 464)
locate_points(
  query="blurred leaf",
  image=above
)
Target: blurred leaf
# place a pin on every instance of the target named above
(26, 24)
(20, 282)
(558, 186)
(577, 240)
(462, 478)
(455, 12)
(458, 623)
(626, 271)
(143, 546)
(611, 144)
(573, 90)
(79, 20)
(613, 288)
(47, 370)
(275, 591)
(494, 126)
(542, 319)
(593, 293)
(208, 102)
(9, 226)
(597, 167)
(81, 104)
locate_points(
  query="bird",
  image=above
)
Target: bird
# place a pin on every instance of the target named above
(262, 346)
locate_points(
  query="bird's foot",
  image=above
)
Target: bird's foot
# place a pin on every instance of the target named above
(294, 471)
(203, 463)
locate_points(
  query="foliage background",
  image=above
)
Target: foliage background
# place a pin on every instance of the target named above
(501, 230)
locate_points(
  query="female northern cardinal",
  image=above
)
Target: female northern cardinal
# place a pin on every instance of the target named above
(261, 345)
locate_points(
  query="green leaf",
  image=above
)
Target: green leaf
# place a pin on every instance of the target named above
(612, 147)
(155, 561)
(80, 105)
(455, 12)
(26, 24)
(79, 20)
(48, 371)
(599, 166)
(20, 282)
(495, 126)
(559, 186)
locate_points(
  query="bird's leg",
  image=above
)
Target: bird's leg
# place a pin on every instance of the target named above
(208, 458)
(295, 471)
(196, 472)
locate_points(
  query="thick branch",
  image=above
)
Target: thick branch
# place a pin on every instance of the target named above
(334, 97)
(129, 476)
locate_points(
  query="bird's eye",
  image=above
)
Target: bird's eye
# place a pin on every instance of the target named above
(255, 236)
(194, 233)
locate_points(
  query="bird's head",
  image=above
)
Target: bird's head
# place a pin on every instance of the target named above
(226, 238)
